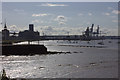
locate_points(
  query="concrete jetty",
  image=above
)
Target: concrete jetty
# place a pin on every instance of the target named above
(23, 49)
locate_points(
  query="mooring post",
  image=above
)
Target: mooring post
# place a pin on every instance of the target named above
(28, 42)
(38, 42)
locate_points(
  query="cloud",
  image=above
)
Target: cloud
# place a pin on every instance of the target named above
(90, 14)
(115, 21)
(20, 11)
(110, 8)
(62, 23)
(51, 30)
(46, 30)
(80, 14)
(106, 14)
(63, 30)
(61, 19)
(53, 5)
(110, 31)
(39, 15)
(114, 17)
(88, 23)
(13, 28)
(35, 21)
(116, 12)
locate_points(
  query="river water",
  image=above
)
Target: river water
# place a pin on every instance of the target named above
(81, 61)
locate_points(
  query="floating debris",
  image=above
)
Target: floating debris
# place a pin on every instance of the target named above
(88, 42)
(76, 66)
(101, 43)
(118, 42)
(65, 65)
(59, 65)
(75, 52)
(93, 64)
(81, 52)
(41, 67)
(69, 64)
(55, 52)
(109, 41)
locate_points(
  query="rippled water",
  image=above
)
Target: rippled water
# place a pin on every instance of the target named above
(82, 62)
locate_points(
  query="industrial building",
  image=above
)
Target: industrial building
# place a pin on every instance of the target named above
(22, 35)
(90, 33)
(29, 34)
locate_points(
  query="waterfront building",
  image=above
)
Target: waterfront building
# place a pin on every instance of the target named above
(5, 33)
(29, 34)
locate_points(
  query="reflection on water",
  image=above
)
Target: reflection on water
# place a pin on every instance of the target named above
(83, 62)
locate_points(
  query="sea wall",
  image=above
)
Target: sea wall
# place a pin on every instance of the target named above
(23, 49)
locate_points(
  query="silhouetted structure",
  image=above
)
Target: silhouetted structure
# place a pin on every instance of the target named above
(87, 32)
(90, 33)
(22, 35)
(29, 34)
(23, 49)
(5, 33)
(31, 27)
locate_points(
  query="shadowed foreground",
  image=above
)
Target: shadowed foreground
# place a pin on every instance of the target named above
(23, 49)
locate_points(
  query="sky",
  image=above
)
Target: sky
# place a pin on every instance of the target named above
(60, 0)
(61, 18)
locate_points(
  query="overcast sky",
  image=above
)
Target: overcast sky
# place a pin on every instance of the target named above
(61, 17)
